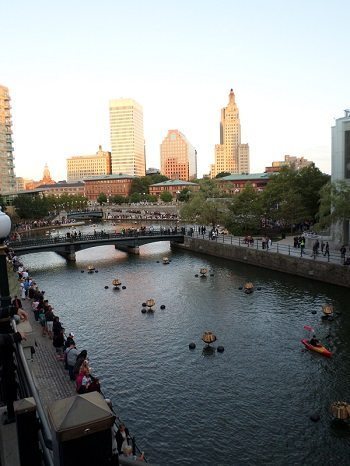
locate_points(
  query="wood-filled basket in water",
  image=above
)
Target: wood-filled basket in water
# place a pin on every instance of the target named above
(340, 410)
(327, 309)
(248, 287)
(203, 271)
(116, 282)
(208, 337)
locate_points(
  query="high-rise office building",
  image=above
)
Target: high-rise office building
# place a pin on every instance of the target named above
(341, 170)
(178, 158)
(84, 166)
(127, 139)
(7, 173)
(230, 155)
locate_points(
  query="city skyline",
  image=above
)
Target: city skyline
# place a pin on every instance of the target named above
(289, 74)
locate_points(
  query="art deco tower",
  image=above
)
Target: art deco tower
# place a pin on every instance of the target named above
(7, 175)
(230, 155)
(127, 139)
(178, 158)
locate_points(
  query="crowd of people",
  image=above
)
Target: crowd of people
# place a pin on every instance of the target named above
(76, 362)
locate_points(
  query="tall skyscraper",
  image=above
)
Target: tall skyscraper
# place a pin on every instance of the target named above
(230, 155)
(127, 139)
(7, 174)
(178, 158)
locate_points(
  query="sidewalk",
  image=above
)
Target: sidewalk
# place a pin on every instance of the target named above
(50, 377)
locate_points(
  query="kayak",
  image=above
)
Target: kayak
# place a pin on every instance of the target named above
(318, 349)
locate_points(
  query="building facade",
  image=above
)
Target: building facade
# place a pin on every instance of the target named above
(127, 138)
(173, 186)
(289, 161)
(230, 155)
(46, 180)
(178, 158)
(110, 185)
(62, 187)
(7, 168)
(341, 169)
(85, 166)
(234, 184)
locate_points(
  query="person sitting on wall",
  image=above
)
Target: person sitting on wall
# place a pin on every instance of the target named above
(122, 436)
(85, 382)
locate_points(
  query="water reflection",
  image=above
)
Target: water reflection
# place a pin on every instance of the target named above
(258, 395)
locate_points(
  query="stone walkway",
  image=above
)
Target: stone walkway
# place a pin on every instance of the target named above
(50, 377)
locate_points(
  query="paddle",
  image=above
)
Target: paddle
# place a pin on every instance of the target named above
(307, 327)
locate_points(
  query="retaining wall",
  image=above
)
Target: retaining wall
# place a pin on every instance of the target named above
(335, 274)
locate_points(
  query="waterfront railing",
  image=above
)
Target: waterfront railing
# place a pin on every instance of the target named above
(275, 247)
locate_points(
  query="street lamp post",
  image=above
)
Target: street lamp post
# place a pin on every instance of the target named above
(5, 228)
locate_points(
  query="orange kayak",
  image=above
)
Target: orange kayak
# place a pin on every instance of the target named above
(318, 349)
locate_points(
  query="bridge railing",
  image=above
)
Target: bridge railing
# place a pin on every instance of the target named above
(92, 237)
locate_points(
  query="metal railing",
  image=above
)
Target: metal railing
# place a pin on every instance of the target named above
(27, 389)
(275, 247)
(94, 237)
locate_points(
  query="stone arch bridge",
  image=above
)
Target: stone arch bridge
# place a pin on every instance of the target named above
(67, 247)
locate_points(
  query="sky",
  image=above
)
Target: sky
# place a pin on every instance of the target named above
(287, 62)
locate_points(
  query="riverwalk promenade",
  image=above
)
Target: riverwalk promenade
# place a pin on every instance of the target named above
(281, 256)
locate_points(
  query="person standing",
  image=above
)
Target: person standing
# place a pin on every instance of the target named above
(326, 250)
(322, 246)
(343, 252)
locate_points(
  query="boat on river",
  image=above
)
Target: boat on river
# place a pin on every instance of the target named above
(203, 271)
(165, 260)
(318, 349)
(91, 269)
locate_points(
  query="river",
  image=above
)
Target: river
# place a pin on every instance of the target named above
(250, 404)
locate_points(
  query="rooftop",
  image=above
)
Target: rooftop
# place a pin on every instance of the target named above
(119, 176)
(175, 183)
(245, 176)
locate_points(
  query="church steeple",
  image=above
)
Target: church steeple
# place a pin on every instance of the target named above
(46, 175)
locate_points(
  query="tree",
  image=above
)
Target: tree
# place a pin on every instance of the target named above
(31, 207)
(141, 185)
(101, 198)
(184, 195)
(135, 197)
(222, 174)
(245, 212)
(166, 196)
(334, 204)
(118, 199)
(2, 204)
(307, 182)
(201, 210)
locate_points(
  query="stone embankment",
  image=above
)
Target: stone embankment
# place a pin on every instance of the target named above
(327, 272)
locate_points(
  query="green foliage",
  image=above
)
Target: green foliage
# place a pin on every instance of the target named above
(2, 204)
(31, 207)
(210, 188)
(245, 212)
(135, 197)
(201, 210)
(222, 174)
(165, 196)
(118, 199)
(151, 198)
(141, 185)
(101, 198)
(334, 203)
(184, 195)
(307, 182)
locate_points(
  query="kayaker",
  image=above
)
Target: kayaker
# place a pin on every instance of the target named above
(314, 341)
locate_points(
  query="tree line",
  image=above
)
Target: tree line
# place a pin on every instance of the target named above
(290, 198)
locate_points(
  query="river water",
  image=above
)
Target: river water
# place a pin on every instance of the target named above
(250, 404)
